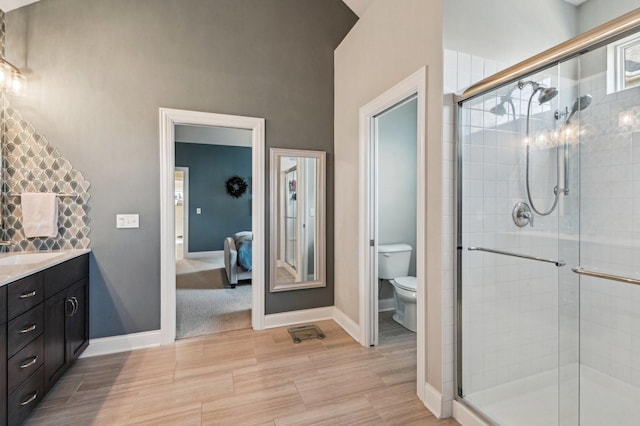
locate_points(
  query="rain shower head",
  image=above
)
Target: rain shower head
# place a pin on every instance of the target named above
(501, 110)
(546, 94)
(579, 104)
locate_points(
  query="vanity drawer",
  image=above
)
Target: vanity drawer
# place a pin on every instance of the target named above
(24, 329)
(24, 294)
(24, 399)
(63, 275)
(24, 363)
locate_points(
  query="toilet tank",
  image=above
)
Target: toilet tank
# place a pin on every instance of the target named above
(393, 260)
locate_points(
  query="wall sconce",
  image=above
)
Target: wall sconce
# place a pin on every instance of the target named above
(11, 78)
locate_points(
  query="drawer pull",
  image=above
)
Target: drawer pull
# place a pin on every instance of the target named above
(29, 329)
(27, 295)
(29, 363)
(29, 400)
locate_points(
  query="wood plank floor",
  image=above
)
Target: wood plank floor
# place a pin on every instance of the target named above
(245, 377)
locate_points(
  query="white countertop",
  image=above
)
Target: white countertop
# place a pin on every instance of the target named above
(11, 273)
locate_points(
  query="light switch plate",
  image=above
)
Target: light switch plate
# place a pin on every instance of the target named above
(198, 210)
(127, 221)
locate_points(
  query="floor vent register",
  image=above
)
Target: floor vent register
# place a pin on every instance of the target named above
(305, 332)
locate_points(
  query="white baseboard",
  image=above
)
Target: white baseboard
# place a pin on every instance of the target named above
(124, 343)
(347, 324)
(465, 416)
(201, 254)
(433, 401)
(129, 342)
(297, 317)
(385, 305)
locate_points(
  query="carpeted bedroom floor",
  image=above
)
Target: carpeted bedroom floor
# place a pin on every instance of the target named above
(205, 303)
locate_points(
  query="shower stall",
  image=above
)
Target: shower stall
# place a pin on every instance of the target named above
(548, 236)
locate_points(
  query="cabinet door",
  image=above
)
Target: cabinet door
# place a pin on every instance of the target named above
(56, 310)
(3, 374)
(77, 325)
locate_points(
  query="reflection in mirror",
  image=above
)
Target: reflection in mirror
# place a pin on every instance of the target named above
(297, 219)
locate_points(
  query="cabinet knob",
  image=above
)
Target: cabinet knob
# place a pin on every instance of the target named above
(74, 306)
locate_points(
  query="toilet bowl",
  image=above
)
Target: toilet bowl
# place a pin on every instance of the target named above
(404, 299)
(393, 265)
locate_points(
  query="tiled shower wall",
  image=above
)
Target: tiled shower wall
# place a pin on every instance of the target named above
(610, 230)
(511, 315)
(31, 164)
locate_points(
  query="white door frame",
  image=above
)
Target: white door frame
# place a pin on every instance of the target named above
(185, 210)
(169, 118)
(414, 85)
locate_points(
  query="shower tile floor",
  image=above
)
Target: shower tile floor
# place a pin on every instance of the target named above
(533, 401)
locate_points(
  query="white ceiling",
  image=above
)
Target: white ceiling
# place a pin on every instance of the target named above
(575, 2)
(358, 6)
(8, 5)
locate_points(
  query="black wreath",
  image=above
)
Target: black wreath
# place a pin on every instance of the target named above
(236, 186)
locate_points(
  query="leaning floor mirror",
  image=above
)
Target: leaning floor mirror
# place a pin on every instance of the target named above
(297, 231)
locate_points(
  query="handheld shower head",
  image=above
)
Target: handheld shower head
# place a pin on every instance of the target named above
(546, 93)
(579, 104)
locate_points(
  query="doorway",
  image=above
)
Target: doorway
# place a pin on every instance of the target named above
(213, 278)
(169, 120)
(394, 212)
(413, 86)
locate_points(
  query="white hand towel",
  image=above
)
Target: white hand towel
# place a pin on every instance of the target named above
(39, 214)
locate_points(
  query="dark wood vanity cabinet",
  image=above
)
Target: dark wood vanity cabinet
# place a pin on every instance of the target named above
(67, 334)
(45, 327)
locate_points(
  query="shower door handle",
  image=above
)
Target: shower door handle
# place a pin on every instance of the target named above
(628, 280)
(521, 256)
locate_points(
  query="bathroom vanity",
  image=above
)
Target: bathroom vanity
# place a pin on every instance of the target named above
(44, 325)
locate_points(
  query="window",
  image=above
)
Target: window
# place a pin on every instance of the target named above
(623, 64)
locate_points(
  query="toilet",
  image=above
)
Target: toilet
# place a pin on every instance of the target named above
(393, 265)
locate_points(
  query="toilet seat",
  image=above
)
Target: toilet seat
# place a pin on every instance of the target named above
(405, 283)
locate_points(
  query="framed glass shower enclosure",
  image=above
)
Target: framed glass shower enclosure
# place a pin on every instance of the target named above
(548, 236)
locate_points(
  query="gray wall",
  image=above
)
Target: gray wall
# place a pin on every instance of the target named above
(100, 69)
(221, 214)
(597, 12)
(397, 177)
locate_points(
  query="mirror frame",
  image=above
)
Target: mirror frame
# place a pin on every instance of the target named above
(320, 214)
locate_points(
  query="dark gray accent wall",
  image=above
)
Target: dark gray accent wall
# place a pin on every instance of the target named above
(100, 69)
(221, 214)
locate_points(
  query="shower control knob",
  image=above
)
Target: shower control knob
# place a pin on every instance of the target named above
(522, 215)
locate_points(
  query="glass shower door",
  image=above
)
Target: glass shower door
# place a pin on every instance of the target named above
(609, 245)
(513, 350)
(549, 244)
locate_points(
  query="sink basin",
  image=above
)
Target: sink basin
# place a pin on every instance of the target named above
(26, 258)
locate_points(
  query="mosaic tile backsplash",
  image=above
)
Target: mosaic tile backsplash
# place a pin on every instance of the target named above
(30, 164)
